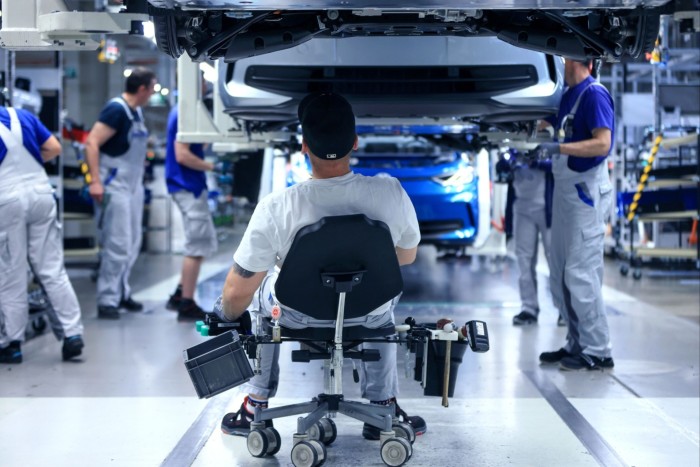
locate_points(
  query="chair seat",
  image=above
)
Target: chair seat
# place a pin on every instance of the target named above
(350, 333)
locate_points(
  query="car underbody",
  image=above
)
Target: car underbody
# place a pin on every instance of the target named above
(211, 29)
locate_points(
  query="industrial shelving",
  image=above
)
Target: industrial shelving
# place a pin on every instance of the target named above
(656, 214)
(658, 98)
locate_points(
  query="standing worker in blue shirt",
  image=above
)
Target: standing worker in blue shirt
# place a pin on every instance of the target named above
(115, 151)
(585, 126)
(185, 176)
(31, 233)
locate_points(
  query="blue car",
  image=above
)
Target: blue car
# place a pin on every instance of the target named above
(441, 184)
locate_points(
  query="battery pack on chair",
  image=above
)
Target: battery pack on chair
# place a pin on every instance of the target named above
(478, 336)
(217, 365)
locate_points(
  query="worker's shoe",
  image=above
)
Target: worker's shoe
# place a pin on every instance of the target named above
(238, 423)
(129, 304)
(553, 357)
(417, 423)
(524, 318)
(107, 312)
(12, 353)
(189, 311)
(175, 299)
(584, 361)
(560, 321)
(72, 347)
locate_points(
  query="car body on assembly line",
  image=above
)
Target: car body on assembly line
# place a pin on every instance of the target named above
(477, 79)
(441, 183)
(232, 29)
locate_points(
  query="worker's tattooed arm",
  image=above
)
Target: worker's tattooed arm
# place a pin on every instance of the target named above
(241, 271)
(239, 289)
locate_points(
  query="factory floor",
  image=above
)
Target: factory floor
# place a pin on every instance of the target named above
(129, 400)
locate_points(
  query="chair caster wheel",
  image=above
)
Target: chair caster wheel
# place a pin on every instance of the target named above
(257, 443)
(273, 448)
(39, 325)
(404, 430)
(324, 431)
(320, 450)
(637, 274)
(309, 453)
(265, 442)
(396, 451)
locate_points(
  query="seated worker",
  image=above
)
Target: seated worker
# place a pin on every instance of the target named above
(328, 129)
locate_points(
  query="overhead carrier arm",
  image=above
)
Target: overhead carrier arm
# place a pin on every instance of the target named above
(49, 25)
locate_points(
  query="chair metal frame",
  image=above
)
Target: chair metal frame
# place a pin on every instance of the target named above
(340, 278)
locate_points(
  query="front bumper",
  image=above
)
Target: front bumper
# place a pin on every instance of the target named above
(446, 215)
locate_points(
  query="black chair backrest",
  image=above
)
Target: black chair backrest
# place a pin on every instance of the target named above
(340, 244)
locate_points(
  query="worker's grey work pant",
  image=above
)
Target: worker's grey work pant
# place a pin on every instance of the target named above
(30, 231)
(528, 226)
(119, 224)
(581, 204)
(378, 380)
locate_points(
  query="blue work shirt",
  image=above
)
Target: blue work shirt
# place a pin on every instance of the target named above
(596, 110)
(114, 116)
(177, 176)
(34, 133)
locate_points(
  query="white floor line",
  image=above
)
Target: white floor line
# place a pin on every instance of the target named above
(671, 422)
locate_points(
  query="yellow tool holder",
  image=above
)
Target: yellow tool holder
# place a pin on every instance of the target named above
(643, 178)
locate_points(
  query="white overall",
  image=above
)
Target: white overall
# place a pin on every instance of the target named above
(581, 202)
(529, 223)
(120, 216)
(30, 231)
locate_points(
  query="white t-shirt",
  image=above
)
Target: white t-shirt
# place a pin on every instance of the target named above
(279, 216)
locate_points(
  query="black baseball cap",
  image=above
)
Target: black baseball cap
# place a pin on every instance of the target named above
(327, 124)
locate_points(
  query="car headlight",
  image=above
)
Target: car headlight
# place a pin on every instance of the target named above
(463, 176)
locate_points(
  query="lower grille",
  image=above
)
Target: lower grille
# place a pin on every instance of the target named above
(433, 227)
(371, 81)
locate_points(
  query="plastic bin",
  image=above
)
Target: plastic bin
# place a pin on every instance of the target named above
(217, 365)
(436, 366)
(660, 201)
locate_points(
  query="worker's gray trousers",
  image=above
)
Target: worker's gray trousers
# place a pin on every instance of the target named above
(119, 225)
(581, 204)
(378, 380)
(528, 226)
(30, 233)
